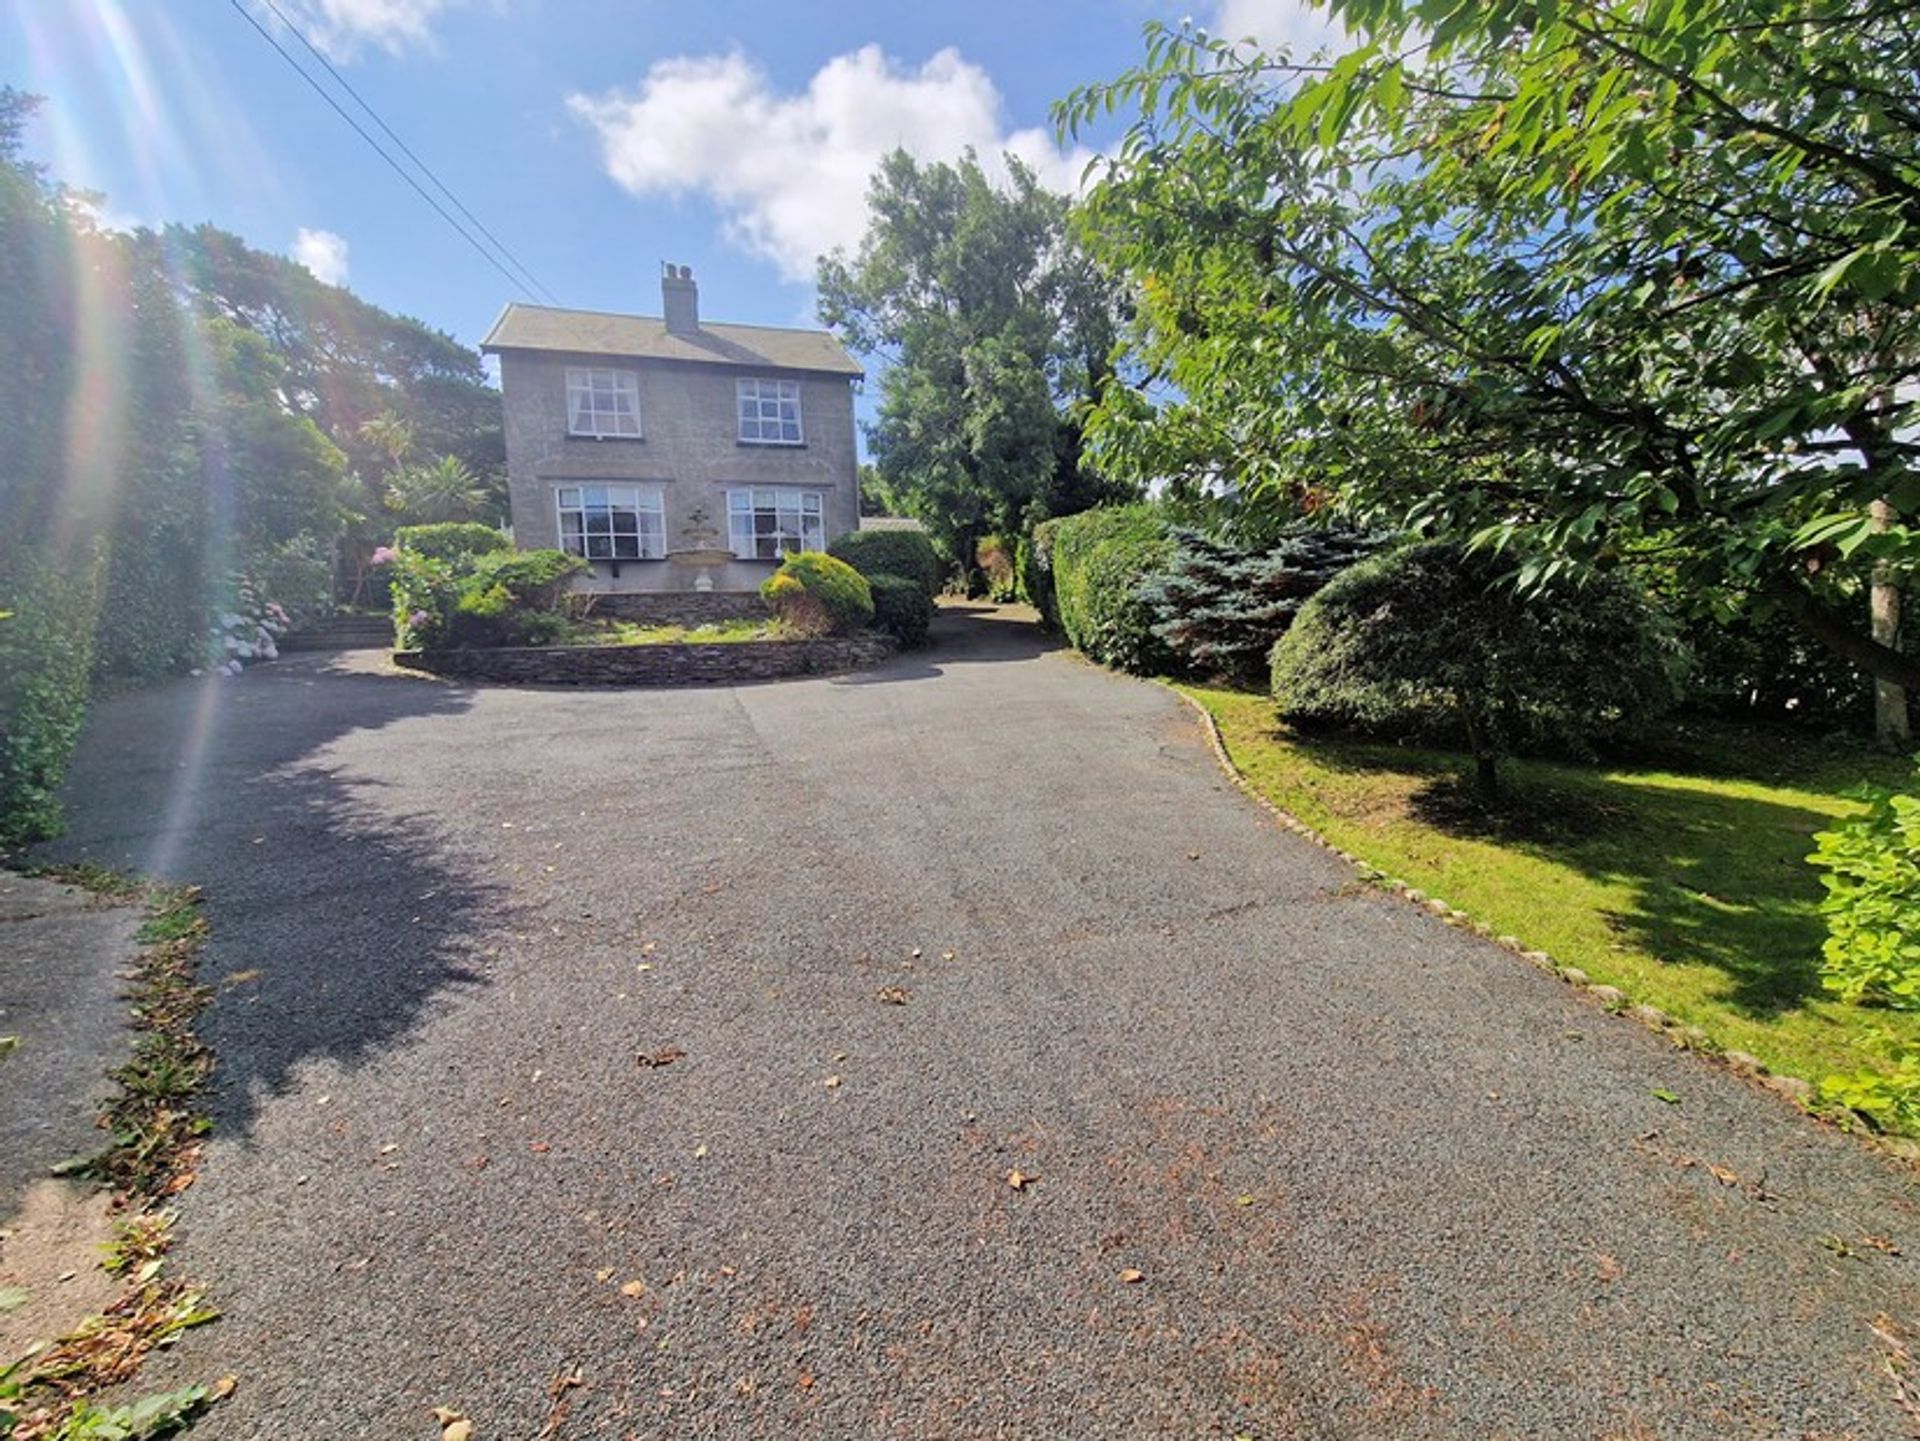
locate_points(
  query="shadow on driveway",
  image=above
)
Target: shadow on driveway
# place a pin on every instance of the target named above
(335, 922)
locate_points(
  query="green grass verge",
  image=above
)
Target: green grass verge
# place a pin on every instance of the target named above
(1686, 886)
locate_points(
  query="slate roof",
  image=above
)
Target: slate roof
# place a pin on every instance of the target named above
(599, 332)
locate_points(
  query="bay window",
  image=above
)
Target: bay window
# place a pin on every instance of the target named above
(612, 522)
(767, 524)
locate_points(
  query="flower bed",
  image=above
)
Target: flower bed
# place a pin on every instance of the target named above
(661, 664)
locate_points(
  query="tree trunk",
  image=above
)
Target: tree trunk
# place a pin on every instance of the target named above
(1486, 776)
(1891, 726)
(1486, 763)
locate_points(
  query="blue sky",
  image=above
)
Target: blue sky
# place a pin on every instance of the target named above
(595, 137)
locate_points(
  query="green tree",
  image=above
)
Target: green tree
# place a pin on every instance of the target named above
(994, 329)
(1590, 284)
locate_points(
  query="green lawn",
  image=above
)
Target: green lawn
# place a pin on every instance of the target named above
(627, 632)
(1685, 887)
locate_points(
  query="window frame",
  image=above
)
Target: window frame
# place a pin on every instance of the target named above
(580, 379)
(749, 513)
(647, 501)
(783, 391)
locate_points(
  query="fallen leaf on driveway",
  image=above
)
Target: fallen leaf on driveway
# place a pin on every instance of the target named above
(634, 1288)
(1020, 1180)
(540, 1148)
(1131, 1277)
(225, 1387)
(892, 995)
(832, 1083)
(665, 1056)
(1724, 1175)
(453, 1426)
(603, 1275)
(1667, 1096)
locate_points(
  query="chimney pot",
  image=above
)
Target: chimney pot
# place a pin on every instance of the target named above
(680, 300)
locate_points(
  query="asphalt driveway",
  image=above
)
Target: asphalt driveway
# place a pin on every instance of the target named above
(1309, 1163)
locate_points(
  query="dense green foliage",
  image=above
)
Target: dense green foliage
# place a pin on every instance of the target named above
(1220, 606)
(815, 594)
(1871, 866)
(188, 411)
(901, 608)
(908, 553)
(995, 327)
(1099, 561)
(1426, 643)
(1598, 284)
(465, 598)
(46, 642)
(451, 540)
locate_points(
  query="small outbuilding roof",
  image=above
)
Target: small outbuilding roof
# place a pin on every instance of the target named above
(645, 337)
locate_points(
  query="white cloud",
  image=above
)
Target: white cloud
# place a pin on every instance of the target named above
(322, 252)
(341, 27)
(790, 171)
(1298, 26)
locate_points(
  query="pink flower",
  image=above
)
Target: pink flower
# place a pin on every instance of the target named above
(418, 619)
(382, 554)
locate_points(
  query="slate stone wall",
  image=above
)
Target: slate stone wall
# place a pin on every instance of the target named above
(653, 665)
(685, 607)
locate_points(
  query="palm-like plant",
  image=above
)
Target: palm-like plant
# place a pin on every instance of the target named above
(445, 490)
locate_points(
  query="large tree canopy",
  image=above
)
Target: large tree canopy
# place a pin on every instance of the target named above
(1591, 283)
(994, 331)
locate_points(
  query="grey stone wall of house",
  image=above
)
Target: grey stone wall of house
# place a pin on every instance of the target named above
(689, 448)
(653, 665)
(681, 607)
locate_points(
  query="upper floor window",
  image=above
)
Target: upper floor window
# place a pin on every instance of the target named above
(767, 524)
(769, 412)
(612, 522)
(602, 402)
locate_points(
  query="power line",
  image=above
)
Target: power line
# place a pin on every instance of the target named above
(361, 131)
(530, 278)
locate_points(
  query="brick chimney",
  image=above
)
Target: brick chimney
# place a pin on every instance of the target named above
(680, 299)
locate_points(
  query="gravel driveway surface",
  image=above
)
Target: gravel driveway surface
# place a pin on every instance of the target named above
(683, 1041)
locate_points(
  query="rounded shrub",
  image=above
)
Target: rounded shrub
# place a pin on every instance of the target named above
(906, 553)
(451, 539)
(1431, 642)
(901, 608)
(1100, 561)
(816, 594)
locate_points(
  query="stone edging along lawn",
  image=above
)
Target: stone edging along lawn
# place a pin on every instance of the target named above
(670, 664)
(1794, 1089)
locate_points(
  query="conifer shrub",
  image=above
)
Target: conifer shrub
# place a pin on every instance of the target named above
(816, 594)
(1220, 607)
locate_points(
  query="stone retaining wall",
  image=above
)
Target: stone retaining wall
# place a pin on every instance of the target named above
(681, 607)
(653, 665)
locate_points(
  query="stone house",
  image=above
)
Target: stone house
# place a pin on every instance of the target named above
(675, 456)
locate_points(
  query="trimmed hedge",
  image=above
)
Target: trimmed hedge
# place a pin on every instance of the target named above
(1431, 642)
(451, 539)
(1098, 561)
(901, 608)
(906, 553)
(815, 594)
(46, 660)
